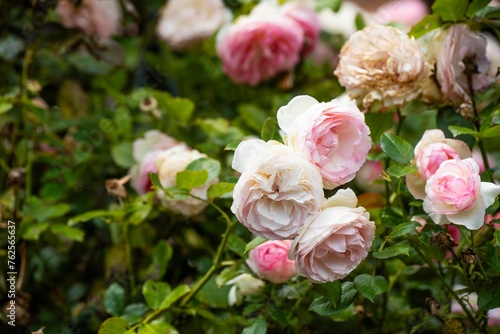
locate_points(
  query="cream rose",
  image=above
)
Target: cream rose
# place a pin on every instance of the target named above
(91, 16)
(185, 22)
(432, 149)
(454, 53)
(333, 242)
(145, 152)
(381, 63)
(455, 194)
(333, 135)
(278, 189)
(168, 164)
(243, 285)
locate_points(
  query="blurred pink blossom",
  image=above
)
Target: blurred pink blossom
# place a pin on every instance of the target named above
(97, 17)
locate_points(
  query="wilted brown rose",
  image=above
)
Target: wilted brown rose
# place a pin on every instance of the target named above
(381, 63)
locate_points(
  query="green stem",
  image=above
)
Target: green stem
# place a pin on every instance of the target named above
(128, 256)
(213, 268)
(446, 284)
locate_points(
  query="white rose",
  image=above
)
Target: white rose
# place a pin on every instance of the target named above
(168, 164)
(243, 285)
(278, 190)
(185, 22)
(153, 140)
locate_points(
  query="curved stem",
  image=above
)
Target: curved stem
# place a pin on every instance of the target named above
(213, 268)
(446, 284)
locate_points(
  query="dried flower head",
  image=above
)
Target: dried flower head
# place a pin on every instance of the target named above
(381, 63)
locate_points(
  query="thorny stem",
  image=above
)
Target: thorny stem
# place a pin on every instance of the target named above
(477, 124)
(446, 284)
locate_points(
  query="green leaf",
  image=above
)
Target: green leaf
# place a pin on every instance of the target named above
(161, 257)
(359, 21)
(236, 244)
(379, 123)
(393, 251)
(155, 293)
(190, 179)
(489, 12)
(258, 326)
(179, 108)
(461, 130)
(221, 189)
(403, 229)
(122, 154)
(331, 291)
(139, 209)
(5, 106)
(226, 275)
(370, 286)
(492, 257)
(323, 307)
(157, 328)
(69, 232)
(497, 236)
(155, 180)
(212, 166)
(396, 148)
(91, 215)
(42, 212)
(333, 4)
(399, 171)
(489, 296)
(270, 130)
(475, 6)
(113, 326)
(134, 313)
(114, 299)
(175, 295)
(491, 132)
(254, 243)
(427, 24)
(450, 10)
(253, 116)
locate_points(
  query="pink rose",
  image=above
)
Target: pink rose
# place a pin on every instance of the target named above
(408, 12)
(92, 16)
(369, 177)
(277, 191)
(333, 135)
(307, 19)
(270, 261)
(455, 194)
(455, 52)
(430, 152)
(333, 242)
(153, 140)
(257, 47)
(140, 173)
